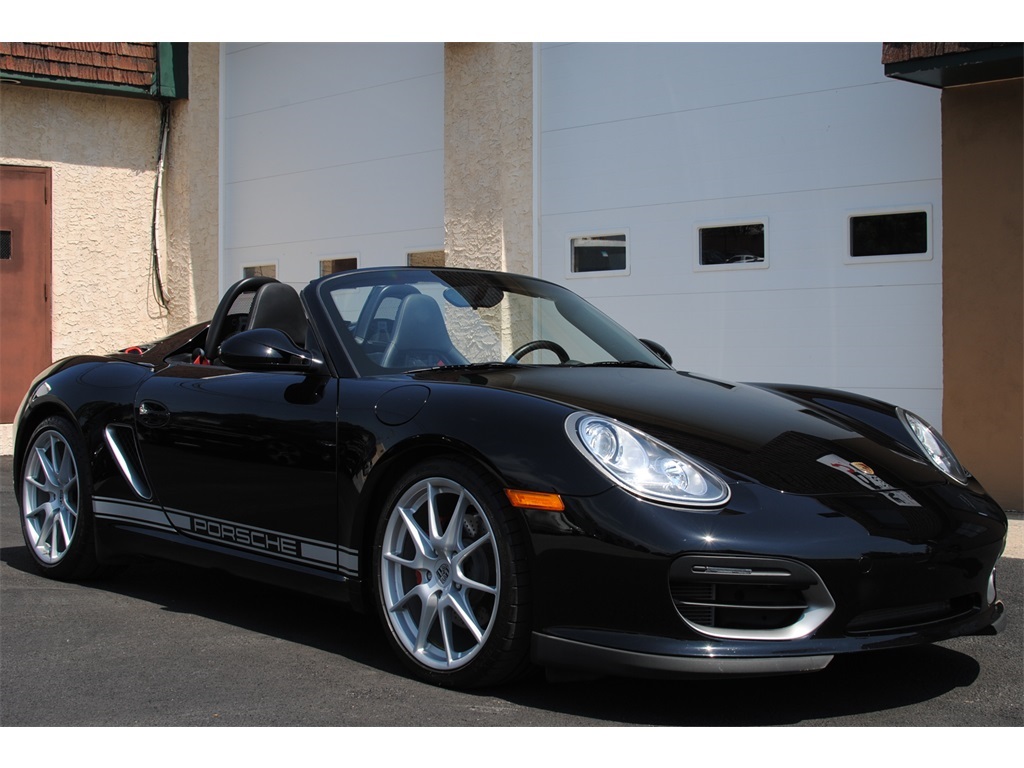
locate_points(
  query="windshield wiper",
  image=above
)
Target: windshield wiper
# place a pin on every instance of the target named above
(494, 364)
(468, 366)
(621, 364)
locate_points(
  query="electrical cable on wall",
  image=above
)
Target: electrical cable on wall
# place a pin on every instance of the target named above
(165, 128)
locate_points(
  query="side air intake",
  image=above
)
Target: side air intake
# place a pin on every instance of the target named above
(121, 443)
(749, 598)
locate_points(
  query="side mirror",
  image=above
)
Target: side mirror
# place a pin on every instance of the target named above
(659, 350)
(266, 349)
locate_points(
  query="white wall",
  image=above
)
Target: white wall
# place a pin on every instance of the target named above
(658, 139)
(330, 151)
(337, 150)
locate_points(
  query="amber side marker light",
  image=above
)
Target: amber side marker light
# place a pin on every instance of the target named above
(551, 502)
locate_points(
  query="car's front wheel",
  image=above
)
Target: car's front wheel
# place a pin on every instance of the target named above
(56, 512)
(451, 575)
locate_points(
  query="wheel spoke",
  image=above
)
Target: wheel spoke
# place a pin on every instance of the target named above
(41, 511)
(428, 615)
(55, 530)
(66, 474)
(48, 471)
(465, 553)
(433, 517)
(467, 583)
(66, 525)
(453, 534)
(418, 561)
(391, 557)
(46, 524)
(444, 616)
(420, 592)
(420, 540)
(459, 606)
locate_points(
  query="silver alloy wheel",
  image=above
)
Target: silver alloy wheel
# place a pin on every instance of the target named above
(50, 496)
(439, 572)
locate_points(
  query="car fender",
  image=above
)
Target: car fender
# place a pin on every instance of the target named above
(93, 392)
(492, 429)
(522, 435)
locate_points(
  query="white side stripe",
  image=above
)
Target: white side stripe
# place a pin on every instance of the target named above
(112, 509)
(264, 541)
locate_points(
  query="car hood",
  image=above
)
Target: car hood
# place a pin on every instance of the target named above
(744, 431)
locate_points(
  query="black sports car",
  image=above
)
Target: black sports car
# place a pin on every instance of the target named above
(506, 476)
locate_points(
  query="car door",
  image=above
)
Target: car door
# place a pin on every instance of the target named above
(246, 459)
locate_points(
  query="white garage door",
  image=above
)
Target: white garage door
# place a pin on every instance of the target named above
(705, 196)
(332, 157)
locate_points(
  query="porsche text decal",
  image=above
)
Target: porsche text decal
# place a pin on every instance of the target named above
(308, 551)
(236, 534)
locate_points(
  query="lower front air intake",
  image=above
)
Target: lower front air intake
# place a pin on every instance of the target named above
(748, 598)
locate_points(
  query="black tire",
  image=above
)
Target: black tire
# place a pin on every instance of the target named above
(55, 502)
(456, 605)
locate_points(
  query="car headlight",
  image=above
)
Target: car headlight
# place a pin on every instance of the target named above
(934, 447)
(644, 465)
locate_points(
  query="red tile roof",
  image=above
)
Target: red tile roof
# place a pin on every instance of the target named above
(131, 64)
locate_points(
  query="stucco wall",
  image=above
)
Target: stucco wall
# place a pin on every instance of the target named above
(102, 151)
(192, 191)
(103, 154)
(488, 190)
(983, 279)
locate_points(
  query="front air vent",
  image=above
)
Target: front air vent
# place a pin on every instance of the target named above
(740, 606)
(908, 617)
(736, 597)
(121, 442)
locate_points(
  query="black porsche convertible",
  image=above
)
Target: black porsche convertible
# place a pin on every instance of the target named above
(508, 478)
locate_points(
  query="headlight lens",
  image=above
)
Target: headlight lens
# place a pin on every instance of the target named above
(644, 465)
(934, 447)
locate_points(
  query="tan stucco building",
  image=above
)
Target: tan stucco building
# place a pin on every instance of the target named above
(130, 259)
(983, 260)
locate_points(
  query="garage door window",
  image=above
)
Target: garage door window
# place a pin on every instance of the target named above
(599, 253)
(896, 234)
(330, 266)
(426, 258)
(732, 246)
(260, 270)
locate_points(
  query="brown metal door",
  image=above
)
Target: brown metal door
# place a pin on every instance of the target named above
(25, 345)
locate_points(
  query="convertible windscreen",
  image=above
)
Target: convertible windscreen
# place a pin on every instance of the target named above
(393, 321)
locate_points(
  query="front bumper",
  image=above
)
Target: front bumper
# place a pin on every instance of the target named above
(632, 655)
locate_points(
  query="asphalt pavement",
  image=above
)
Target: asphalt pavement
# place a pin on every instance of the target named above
(166, 645)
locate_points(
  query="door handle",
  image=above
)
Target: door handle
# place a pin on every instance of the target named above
(153, 414)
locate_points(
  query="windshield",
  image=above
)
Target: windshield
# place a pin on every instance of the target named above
(397, 320)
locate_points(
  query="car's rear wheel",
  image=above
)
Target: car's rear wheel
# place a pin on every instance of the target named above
(451, 576)
(56, 504)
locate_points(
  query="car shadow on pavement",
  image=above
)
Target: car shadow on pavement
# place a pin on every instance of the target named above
(869, 683)
(849, 686)
(241, 603)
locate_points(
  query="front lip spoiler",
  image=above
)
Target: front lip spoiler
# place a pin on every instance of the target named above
(998, 625)
(602, 653)
(564, 654)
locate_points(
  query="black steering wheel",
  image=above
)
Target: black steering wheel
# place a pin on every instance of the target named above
(218, 325)
(533, 346)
